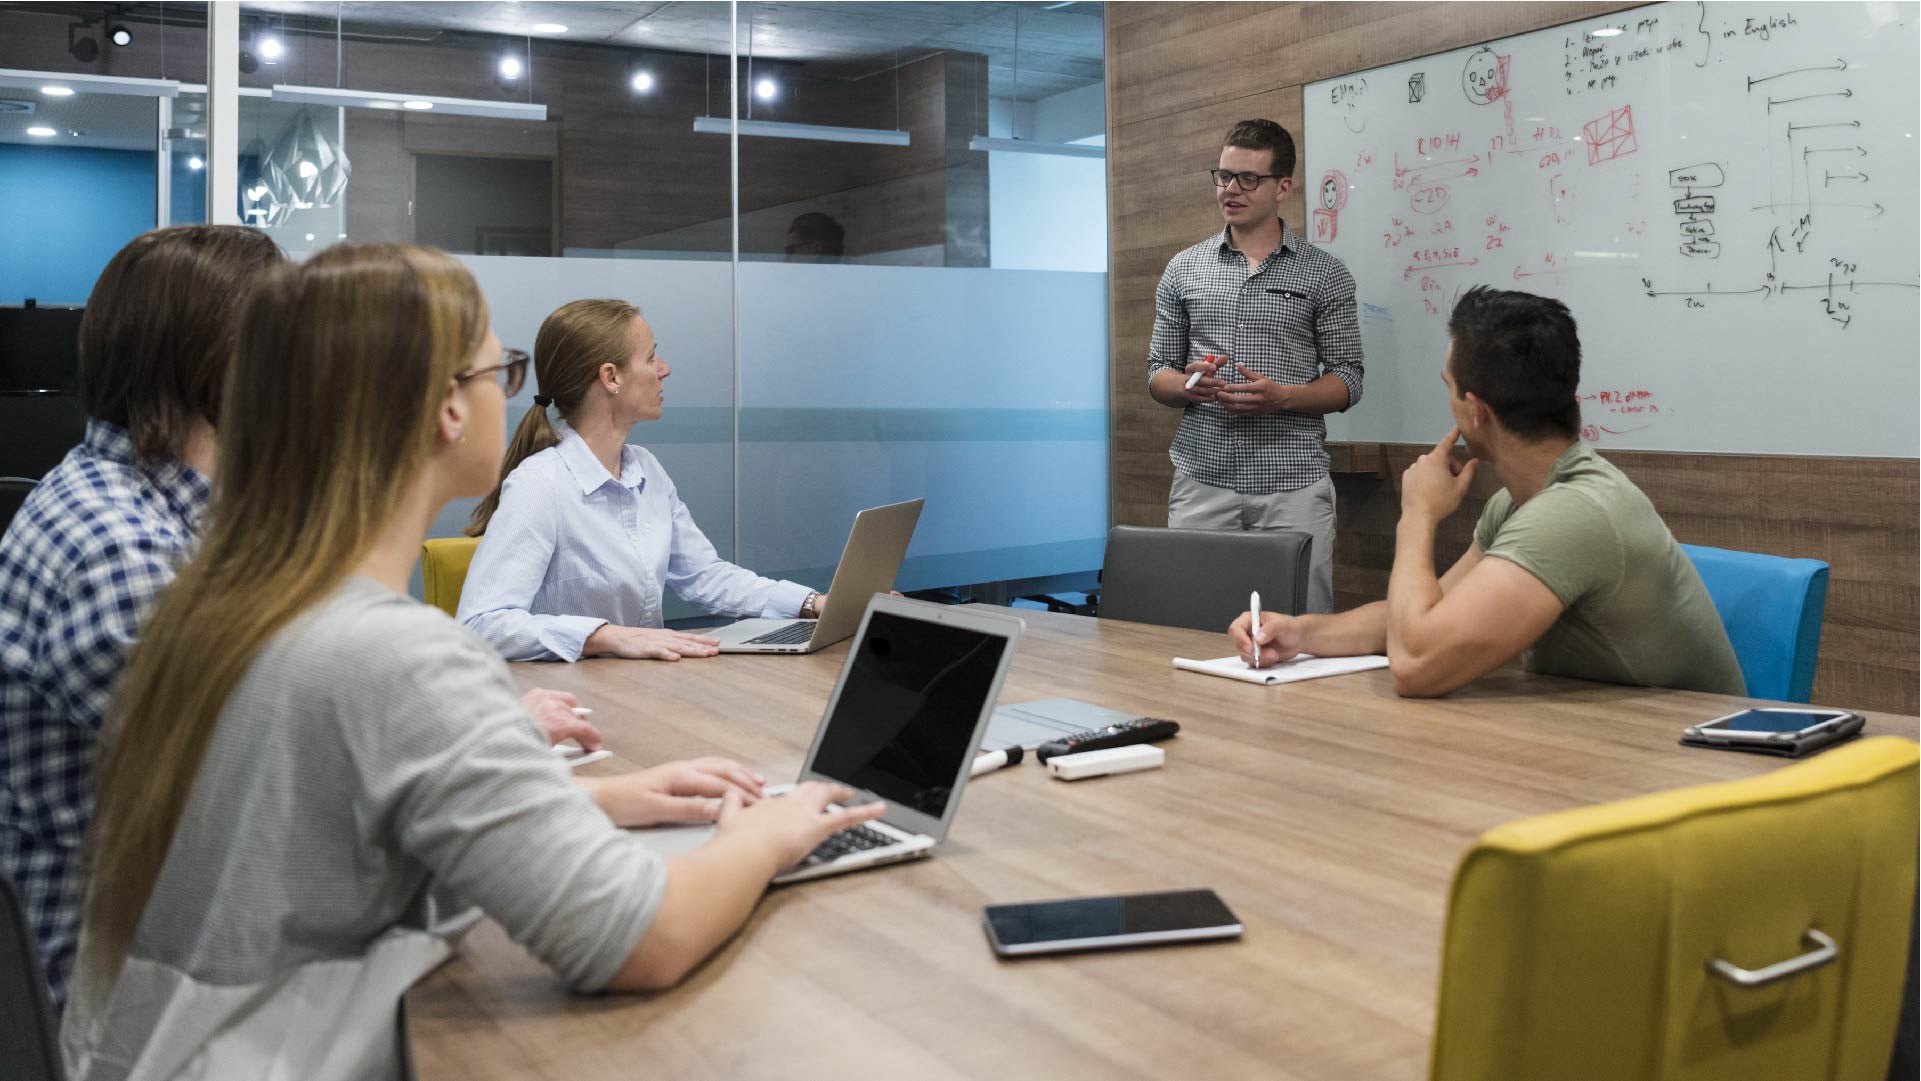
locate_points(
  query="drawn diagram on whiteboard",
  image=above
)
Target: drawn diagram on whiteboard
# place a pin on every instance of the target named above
(1697, 211)
(1416, 87)
(1822, 147)
(1327, 216)
(1611, 136)
(1484, 78)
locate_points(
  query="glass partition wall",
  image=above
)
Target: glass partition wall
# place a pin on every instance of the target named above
(870, 238)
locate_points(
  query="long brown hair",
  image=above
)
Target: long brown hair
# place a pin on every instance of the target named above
(158, 333)
(572, 345)
(342, 364)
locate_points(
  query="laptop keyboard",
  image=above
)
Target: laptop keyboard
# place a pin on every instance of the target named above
(847, 842)
(794, 634)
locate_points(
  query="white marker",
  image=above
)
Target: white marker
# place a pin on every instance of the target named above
(990, 761)
(1254, 625)
(1195, 378)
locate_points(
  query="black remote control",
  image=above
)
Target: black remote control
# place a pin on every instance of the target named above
(1140, 730)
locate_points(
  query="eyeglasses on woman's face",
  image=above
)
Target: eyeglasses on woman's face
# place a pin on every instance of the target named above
(512, 371)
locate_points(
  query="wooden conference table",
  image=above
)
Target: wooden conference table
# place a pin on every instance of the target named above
(1328, 814)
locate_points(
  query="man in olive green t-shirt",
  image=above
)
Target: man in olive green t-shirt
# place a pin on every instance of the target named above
(1571, 568)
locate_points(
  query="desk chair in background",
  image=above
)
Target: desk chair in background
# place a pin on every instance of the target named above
(1743, 930)
(443, 570)
(28, 1049)
(1772, 610)
(1200, 578)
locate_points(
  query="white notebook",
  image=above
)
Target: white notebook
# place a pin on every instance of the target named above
(1304, 666)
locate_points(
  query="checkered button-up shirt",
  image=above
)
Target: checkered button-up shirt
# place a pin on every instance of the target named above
(1292, 320)
(80, 567)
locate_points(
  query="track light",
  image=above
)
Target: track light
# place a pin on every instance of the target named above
(86, 50)
(120, 36)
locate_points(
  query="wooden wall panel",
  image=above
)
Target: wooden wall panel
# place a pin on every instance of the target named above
(1179, 74)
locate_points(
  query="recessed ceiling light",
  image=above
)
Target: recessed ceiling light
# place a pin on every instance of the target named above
(510, 67)
(549, 28)
(57, 91)
(1606, 32)
(42, 133)
(417, 105)
(765, 89)
(271, 48)
(642, 81)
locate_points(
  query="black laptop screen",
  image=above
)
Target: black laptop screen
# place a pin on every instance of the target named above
(906, 715)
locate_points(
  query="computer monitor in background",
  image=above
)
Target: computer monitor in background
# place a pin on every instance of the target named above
(39, 348)
(40, 414)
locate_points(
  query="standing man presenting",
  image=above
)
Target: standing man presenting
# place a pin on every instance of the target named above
(1277, 314)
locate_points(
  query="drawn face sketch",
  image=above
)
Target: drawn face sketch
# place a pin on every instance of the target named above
(1479, 78)
(1330, 193)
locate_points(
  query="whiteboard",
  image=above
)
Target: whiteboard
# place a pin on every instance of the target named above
(1724, 194)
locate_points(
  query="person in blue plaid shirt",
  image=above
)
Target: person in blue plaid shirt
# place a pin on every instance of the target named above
(101, 536)
(1267, 323)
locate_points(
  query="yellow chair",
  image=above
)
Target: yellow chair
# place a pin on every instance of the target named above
(443, 570)
(1610, 942)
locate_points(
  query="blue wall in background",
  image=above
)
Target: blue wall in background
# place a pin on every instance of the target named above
(64, 211)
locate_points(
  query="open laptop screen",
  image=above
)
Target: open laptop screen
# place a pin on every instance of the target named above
(906, 714)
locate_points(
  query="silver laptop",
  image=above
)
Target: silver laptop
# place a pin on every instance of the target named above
(875, 548)
(903, 724)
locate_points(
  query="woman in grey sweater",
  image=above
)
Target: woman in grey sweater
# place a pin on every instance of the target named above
(298, 753)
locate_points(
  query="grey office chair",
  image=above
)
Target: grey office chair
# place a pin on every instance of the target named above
(1200, 578)
(28, 1050)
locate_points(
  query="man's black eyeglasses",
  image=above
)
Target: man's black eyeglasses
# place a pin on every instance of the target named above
(1247, 181)
(512, 369)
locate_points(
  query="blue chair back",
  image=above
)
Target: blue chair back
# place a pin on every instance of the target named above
(1771, 607)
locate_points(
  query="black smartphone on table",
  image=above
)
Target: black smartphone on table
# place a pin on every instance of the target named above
(1100, 923)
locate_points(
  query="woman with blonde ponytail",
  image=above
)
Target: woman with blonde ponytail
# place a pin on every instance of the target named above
(584, 530)
(298, 753)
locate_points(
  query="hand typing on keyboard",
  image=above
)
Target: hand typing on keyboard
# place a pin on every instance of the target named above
(794, 826)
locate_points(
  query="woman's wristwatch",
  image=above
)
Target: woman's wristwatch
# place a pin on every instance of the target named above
(807, 610)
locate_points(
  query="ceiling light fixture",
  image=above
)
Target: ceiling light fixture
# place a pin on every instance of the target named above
(509, 68)
(271, 48)
(85, 50)
(765, 89)
(642, 82)
(120, 36)
(380, 99)
(549, 28)
(824, 133)
(21, 79)
(196, 163)
(42, 133)
(57, 91)
(1029, 146)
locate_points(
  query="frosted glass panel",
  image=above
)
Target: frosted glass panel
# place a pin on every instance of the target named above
(982, 391)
